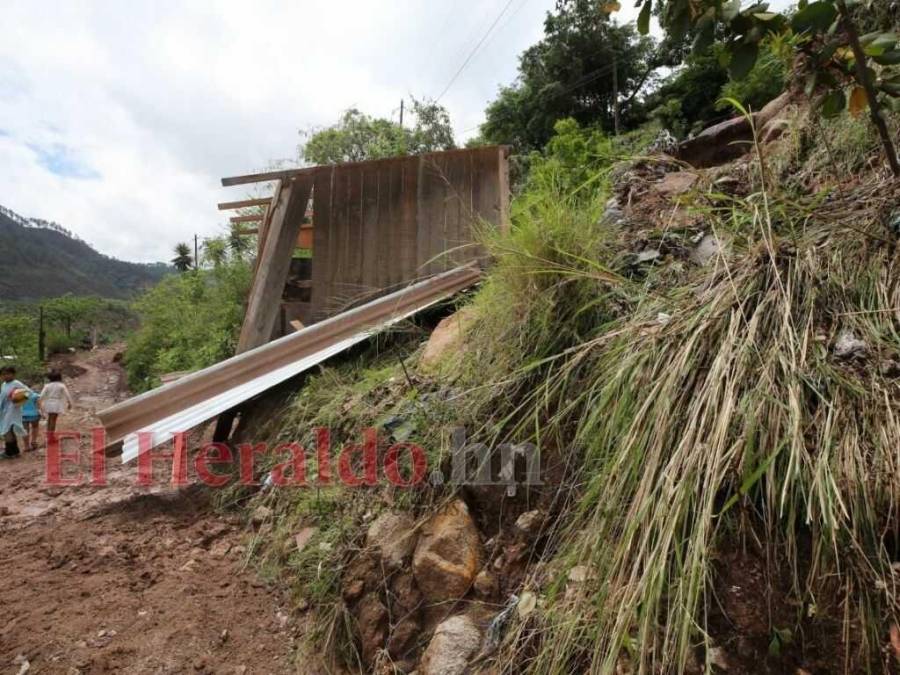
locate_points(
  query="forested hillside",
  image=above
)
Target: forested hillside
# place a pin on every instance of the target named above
(41, 260)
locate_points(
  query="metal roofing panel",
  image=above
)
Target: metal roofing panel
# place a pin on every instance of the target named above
(183, 404)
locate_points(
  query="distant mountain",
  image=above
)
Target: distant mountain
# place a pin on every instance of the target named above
(40, 260)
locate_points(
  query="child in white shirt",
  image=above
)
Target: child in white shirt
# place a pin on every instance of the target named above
(55, 399)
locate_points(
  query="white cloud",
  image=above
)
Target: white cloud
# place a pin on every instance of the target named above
(117, 119)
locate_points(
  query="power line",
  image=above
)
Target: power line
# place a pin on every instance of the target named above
(474, 50)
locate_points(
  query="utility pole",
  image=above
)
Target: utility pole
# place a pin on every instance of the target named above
(615, 74)
(196, 254)
(401, 112)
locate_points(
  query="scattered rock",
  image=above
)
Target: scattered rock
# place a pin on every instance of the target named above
(393, 534)
(455, 642)
(646, 256)
(261, 514)
(579, 574)
(372, 621)
(708, 248)
(717, 657)
(530, 522)
(403, 638)
(612, 214)
(447, 337)
(675, 184)
(486, 584)
(301, 539)
(448, 554)
(848, 346)
(890, 368)
(527, 604)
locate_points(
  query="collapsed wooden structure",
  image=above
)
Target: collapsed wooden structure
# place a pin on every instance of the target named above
(342, 252)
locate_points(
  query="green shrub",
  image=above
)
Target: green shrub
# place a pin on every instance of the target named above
(187, 322)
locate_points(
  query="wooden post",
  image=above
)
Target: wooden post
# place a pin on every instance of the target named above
(274, 263)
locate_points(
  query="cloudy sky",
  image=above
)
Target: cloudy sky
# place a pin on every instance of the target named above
(117, 119)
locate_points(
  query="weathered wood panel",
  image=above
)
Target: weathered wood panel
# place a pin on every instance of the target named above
(273, 264)
(383, 223)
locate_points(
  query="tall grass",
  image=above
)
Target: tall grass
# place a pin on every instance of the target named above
(733, 419)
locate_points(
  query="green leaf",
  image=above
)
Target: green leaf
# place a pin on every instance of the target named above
(833, 104)
(891, 58)
(816, 17)
(643, 22)
(743, 58)
(705, 33)
(811, 82)
(766, 16)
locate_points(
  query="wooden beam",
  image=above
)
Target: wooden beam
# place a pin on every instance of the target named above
(284, 174)
(273, 264)
(227, 206)
(247, 219)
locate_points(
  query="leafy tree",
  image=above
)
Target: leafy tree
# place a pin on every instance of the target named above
(187, 322)
(843, 69)
(215, 251)
(572, 73)
(357, 136)
(183, 260)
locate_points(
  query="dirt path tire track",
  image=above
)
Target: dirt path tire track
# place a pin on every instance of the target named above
(125, 579)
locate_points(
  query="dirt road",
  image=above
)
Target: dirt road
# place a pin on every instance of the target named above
(126, 579)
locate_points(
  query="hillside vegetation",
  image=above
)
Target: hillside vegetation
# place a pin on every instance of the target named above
(41, 261)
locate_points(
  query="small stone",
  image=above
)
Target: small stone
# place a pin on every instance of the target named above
(579, 574)
(261, 514)
(848, 346)
(530, 522)
(301, 539)
(717, 657)
(393, 534)
(455, 642)
(527, 604)
(646, 256)
(708, 248)
(486, 584)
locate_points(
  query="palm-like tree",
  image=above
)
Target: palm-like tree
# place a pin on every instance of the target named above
(237, 241)
(183, 260)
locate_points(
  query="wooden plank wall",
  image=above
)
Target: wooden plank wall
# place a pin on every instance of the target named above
(383, 223)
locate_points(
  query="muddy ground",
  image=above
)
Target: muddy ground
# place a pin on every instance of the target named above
(126, 579)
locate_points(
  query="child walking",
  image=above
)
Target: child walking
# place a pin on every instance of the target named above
(10, 411)
(31, 418)
(55, 399)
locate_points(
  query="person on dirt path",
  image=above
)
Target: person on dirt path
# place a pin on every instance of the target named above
(55, 399)
(31, 418)
(11, 410)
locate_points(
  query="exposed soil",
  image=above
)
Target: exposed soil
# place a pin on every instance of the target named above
(123, 578)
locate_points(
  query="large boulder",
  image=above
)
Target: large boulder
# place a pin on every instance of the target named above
(448, 555)
(732, 138)
(455, 642)
(393, 534)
